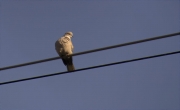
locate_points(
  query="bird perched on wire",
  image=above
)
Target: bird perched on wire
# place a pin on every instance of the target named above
(64, 48)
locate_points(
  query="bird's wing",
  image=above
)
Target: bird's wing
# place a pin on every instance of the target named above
(61, 45)
(66, 45)
(72, 47)
(58, 47)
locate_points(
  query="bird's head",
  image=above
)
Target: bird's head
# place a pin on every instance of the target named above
(69, 33)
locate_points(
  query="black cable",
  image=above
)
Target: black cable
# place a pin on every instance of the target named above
(94, 50)
(126, 61)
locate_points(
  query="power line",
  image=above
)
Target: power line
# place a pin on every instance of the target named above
(94, 50)
(115, 63)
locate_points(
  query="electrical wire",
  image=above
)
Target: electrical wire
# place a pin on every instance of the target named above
(90, 51)
(88, 68)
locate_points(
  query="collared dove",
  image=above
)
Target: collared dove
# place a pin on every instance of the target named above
(64, 48)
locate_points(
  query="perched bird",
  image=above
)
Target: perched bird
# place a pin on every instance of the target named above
(64, 48)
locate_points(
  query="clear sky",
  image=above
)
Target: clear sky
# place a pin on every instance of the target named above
(29, 29)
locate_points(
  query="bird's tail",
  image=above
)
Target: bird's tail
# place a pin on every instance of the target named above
(70, 67)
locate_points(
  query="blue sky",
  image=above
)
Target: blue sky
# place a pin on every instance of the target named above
(29, 29)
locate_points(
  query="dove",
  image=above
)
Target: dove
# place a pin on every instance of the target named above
(64, 48)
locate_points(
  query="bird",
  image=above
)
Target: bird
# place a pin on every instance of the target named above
(64, 47)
